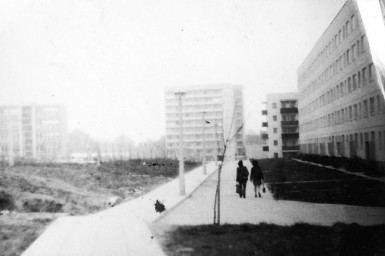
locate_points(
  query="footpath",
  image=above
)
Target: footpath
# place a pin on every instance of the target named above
(121, 230)
(198, 210)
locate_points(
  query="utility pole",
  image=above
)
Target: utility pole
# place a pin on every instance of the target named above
(181, 163)
(203, 144)
(11, 161)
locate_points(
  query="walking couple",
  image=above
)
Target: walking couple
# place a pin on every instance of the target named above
(256, 176)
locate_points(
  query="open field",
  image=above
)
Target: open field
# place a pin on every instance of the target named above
(36, 194)
(291, 180)
(267, 239)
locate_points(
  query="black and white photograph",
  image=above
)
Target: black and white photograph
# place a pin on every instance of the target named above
(192, 127)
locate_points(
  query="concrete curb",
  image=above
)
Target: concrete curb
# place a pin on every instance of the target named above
(184, 198)
(342, 170)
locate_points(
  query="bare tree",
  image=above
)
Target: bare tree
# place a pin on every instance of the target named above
(230, 138)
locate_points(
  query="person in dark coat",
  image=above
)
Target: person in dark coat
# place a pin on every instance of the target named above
(256, 176)
(242, 177)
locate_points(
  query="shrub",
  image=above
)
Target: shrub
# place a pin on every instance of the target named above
(41, 205)
(6, 202)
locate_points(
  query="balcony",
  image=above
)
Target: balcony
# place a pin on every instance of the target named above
(290, 135)
(289, 110)
(289, 148)
(265, 136)
(265, 148)
(289, 123)
(264, 124)
(264, 112)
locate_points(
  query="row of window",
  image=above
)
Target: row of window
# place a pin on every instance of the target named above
(213, 121)
(196, 107)
(350, 25)
(358, 139)
(344, 60)
(194, 99)
(198, 115)
(368, 107)
(349, 85)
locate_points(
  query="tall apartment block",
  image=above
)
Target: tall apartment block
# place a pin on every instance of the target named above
(211, 115)
(33, 131)
(282, 135)
(341, 106)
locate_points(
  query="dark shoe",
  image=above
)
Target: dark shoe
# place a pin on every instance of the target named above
(256, 196)
(259, 194)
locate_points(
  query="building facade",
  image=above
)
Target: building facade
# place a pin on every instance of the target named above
(211, 115)
(282, 132)
(254, 146)
(341, 106)
(33, 131)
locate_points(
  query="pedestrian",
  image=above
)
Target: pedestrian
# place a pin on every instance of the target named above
(242, 177)
(256, 176)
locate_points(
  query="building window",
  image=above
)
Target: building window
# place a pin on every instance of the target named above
(359, 110)
(359, 79)
(365, 110)
(274, 118)
(363, 76)
(354, 82)
(350, 114)
(274, 105)
(355, 111)
(378, 104)
(371, 72)
(275, 130)
(276, 143)
(371, 102)
(353, 52)
(363, 43)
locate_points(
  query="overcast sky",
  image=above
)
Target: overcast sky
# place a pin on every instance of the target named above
(109, 61)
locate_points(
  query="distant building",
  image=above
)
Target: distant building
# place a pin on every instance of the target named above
(254, 146)
(218, 109)
(34, 131)
(282, 125)
(341, 106)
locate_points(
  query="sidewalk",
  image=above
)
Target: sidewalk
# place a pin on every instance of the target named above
(122, 230)
(198, 209)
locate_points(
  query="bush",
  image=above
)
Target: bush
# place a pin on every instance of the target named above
(6, 202)
(41, 205)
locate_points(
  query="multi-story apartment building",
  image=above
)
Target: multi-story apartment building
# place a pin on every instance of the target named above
(282, 135)
(341, 107)
(211, 115)
(33, 131)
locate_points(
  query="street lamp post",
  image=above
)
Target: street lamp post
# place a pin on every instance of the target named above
(203, 144)
(181, 163)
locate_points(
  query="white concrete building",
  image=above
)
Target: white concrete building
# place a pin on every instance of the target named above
(341, 106)
(37, 131)
(282, 125)
(211, 115)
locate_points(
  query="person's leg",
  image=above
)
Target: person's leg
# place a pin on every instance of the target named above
(259, 190)
(244, 189)
(255, 189)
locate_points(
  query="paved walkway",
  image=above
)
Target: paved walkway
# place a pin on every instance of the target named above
(199, 208)
(122, 230)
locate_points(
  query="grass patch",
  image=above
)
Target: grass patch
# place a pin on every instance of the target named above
(17, 234)
(292, 180)
(75, 189)
(266, 239)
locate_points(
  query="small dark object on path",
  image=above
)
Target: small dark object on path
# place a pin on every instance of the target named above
(159, 207)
